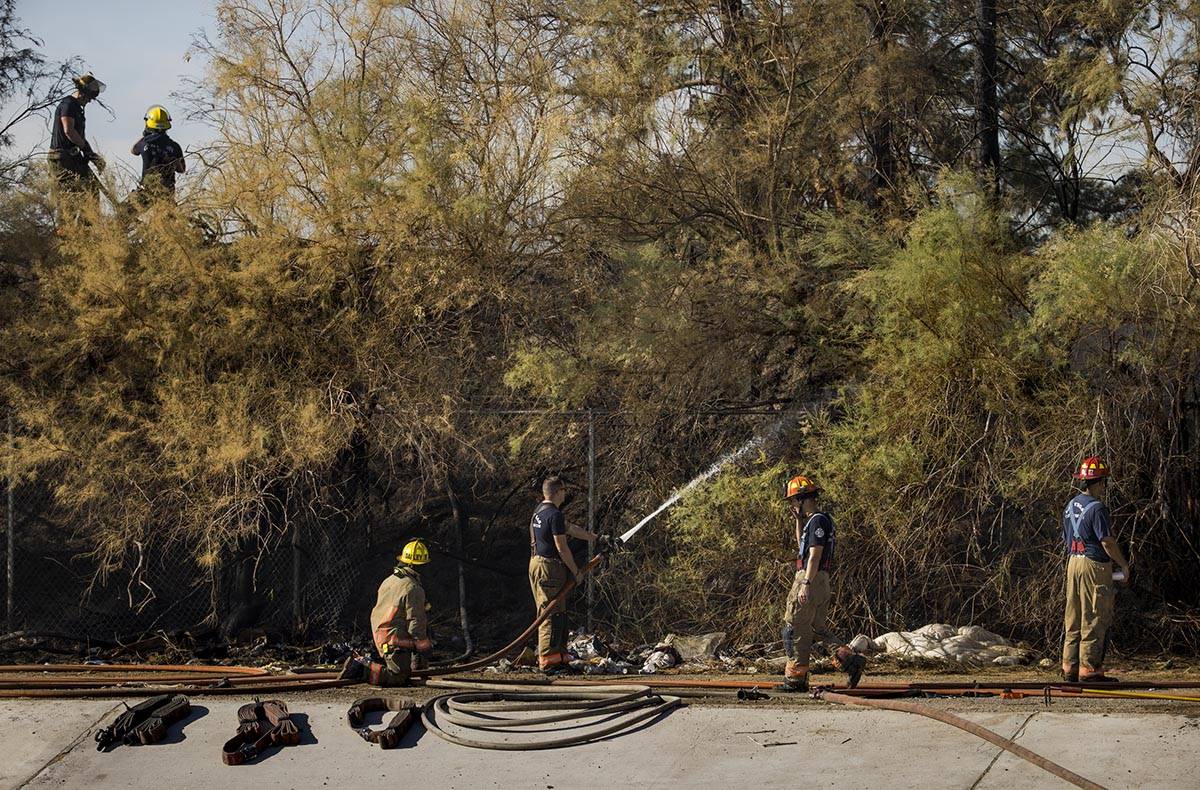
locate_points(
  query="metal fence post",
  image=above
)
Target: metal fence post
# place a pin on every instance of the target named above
(296, 559)
(11, 525)
(591, 588)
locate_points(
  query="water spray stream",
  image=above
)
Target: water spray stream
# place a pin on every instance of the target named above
(711, 471)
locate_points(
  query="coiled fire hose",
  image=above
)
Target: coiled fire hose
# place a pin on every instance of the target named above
(479, 712)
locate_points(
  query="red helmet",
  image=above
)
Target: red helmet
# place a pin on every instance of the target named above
(1091, 468)
(801, 486)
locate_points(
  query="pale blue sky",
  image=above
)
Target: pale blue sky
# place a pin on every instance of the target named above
(137, 48)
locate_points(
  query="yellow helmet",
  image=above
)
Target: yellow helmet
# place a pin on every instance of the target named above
(415, 553)
(157, 117)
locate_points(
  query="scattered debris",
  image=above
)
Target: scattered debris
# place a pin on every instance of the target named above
(663, 657)
(607, 666)
(587, 646)
(768, 744)
(701, 653)
(862, 644)
(696, 648)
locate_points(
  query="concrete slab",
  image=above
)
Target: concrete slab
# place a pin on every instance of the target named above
(693, 747)
(1158, 751)
(33, 733)
(698, 747)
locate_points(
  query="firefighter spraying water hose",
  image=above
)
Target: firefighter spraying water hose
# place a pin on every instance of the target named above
(553, 575)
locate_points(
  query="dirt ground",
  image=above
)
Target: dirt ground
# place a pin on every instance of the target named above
(880, 673)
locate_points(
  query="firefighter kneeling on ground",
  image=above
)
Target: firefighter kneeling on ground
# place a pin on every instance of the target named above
(399, 625)
(1091, 551)
(808, 600)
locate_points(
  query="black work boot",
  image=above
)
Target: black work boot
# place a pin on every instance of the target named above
(793, 685)
(1072, 676)
(352, 669)
(854, 669)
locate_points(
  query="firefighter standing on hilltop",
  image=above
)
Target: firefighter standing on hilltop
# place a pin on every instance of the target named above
(1091, 551)
(70, 152)
(162, 158)
(808, 600)
(399, 625)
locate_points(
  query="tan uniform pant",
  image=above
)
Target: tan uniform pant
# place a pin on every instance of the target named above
(1089, 611)
(395, 671)
(547, 579)
(808, 620)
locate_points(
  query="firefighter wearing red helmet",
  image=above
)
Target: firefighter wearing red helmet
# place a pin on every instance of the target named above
(1091, 552)
(808, 600)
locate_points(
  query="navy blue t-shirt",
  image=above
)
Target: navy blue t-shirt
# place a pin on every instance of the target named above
(818, 531)
(160, 154)
(69, 107)
(547, 522)
(1085, 522)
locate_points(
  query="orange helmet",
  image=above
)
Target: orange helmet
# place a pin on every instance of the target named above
(1091, 468)
(801, 486)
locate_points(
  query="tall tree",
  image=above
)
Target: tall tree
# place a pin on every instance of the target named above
(987, 114)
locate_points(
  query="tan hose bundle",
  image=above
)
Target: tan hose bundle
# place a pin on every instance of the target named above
(480, 712)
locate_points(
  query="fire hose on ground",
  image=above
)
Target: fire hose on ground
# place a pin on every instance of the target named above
(611, 709)
(967, 726)
(147, 680)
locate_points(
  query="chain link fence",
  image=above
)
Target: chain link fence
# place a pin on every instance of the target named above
(299, 581)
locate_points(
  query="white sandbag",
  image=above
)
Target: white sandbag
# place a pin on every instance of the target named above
(938, 631)
(962, 643)
(982, 635)
(893, 642)
(970, 645)
(1007, 661)
(924, 643)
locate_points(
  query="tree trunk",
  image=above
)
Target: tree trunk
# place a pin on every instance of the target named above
(879, 136)
(987, 124)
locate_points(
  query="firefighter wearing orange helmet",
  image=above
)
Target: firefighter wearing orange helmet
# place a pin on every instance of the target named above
(1091, 552)
(808, 600)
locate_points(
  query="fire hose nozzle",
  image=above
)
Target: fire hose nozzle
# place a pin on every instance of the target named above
(609, 544)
